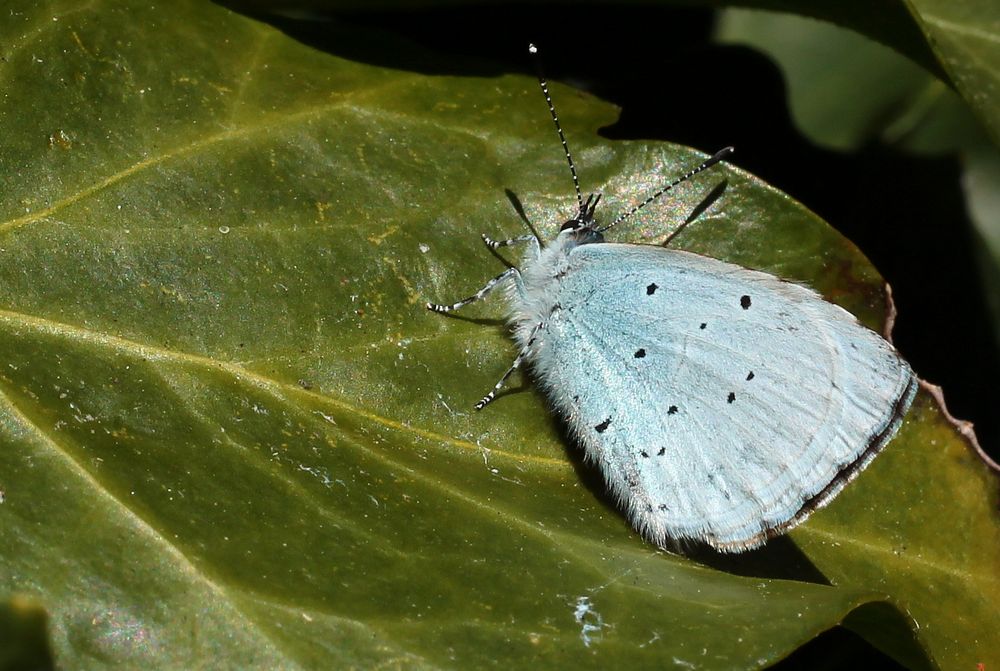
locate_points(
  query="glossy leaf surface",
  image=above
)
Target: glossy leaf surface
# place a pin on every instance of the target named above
(231, 431)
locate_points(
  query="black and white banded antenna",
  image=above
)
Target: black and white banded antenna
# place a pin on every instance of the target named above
(719, 156)
(533, 50)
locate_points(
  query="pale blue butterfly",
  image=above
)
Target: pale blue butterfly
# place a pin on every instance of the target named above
(721, 404)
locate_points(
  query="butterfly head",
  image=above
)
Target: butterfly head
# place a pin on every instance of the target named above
(582, 227)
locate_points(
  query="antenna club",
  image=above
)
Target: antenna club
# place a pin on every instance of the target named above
(723, 153)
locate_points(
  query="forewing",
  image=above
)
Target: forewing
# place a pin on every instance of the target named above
(722, 404)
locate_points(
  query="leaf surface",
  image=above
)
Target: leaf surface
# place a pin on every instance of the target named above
(231, 431)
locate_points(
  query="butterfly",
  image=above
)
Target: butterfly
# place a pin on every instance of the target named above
(722, 405)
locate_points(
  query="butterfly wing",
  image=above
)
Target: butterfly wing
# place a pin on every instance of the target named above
(722, 404)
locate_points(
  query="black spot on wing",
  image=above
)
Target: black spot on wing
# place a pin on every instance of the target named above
(749, 376)
(745, 302)
(603, 426)
(644, 454)
(703, 325)
(651, 289)
(639, 353)
(662, 451)
(672, 410)
(731, 397)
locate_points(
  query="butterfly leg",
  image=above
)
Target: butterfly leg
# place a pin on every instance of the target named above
(486, 400)
(510, 273)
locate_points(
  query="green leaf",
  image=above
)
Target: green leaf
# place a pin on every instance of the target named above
(231, 431)
(962, 35)
(965, 35)
(846, 92)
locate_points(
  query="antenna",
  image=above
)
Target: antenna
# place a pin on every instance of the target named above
(533, 50)
(719, 156)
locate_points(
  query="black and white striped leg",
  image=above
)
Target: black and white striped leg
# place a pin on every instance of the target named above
(502, 277)
(486, 400)
(494, 244)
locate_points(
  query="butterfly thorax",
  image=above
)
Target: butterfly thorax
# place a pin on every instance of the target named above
(542, 275)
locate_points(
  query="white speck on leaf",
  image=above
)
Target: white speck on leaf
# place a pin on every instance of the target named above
(590, 620)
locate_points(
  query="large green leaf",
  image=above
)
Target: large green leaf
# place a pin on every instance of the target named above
(231, 432)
